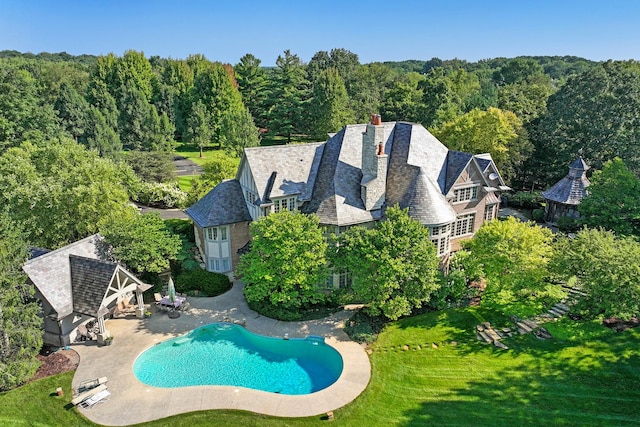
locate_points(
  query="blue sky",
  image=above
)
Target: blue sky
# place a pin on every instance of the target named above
(392, 30)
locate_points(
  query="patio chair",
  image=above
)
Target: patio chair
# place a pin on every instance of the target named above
(89, 385)
(96, 398)
(157, 297)
(82, 333)
(87, 394)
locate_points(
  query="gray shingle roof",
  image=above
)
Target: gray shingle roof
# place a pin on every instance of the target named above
(223, 205)
(457, 161)
(327, 176)
(336, 195)
(571, 189)
(90, 279)
(426, 203)
(295, 165)
(51, 272)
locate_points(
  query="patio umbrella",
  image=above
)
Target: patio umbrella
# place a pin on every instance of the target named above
(172, 297)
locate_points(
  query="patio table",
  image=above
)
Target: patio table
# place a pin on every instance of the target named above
(166, 302)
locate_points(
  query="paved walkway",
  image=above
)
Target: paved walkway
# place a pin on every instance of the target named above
(134, 402)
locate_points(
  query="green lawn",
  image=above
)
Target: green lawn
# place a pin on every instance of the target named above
(587, 376)
(184, 182)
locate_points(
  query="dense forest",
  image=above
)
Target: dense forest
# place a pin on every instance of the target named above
(532, 114)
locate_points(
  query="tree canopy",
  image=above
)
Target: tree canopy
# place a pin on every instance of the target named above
(393, 265)
(142, 242)
(597, 111)
(287, 261)
(513, 256)
(20, 324)
(61, 190)
(613, 201)
(608, 271)
(499, 133)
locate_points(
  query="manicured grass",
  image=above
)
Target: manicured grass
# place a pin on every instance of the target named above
(193, 153)
(587, 376)
(184, 182)
(37, 404)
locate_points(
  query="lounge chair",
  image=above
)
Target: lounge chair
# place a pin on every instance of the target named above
(87, 394)
(96, 398)
(90, 384)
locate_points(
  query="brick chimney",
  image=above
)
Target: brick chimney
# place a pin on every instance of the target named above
(374, 165)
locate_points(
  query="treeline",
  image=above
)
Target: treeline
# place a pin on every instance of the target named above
(532, 114)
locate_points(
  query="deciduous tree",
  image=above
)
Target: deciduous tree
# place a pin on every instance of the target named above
(499, 133)
(142, 242)
(608, 271)
(513, 256)
(287, 261)
(597, 111)
(613, 201)
(393, 265)
(61, 190)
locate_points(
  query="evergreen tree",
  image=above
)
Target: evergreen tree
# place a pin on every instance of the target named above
(252, 83)
(71, 108)
(329, 105)
(288, 97)
(99, 135)
(20, 325)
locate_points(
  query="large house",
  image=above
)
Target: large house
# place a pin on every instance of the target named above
(350, 180)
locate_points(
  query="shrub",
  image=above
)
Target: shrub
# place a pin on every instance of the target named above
(537, 215)
(567, 224)
(208, 283)
(161, 195)
(363, 328)
(526, 200)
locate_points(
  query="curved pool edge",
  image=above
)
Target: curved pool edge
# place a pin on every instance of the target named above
(133, 402)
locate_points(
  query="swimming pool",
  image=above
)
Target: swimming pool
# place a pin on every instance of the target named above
(227, 354)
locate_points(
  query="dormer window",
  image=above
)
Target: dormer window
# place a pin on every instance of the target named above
(465, 194)
(286, 204)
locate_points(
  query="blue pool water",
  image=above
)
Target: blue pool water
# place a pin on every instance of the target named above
(226, 354)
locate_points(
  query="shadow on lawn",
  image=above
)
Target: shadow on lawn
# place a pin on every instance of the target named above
(583, 390)
(588, 375)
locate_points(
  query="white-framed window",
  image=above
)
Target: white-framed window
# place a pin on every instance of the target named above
(220, 265)
(344, 279)
(215, 234)
(250, 196)
(465, 194)
(440, 236)
(464, 224)
(489, 212)
(286, 204)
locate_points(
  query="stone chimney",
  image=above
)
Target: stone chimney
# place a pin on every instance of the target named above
(374, 165)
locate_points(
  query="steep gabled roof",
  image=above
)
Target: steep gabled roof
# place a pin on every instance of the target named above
(295, 168)
(223, 205)
(90, 279)
(51, 272)
(457, 162)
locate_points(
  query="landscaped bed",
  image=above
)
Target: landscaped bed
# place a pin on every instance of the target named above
(431, 370)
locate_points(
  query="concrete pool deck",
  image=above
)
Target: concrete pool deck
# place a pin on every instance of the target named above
(133, 402)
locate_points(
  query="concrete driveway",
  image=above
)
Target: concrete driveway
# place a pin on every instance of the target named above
(133, 402)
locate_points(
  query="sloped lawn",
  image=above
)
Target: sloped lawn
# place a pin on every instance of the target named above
(430, 370)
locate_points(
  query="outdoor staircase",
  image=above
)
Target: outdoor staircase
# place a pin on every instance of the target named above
(486, 333)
